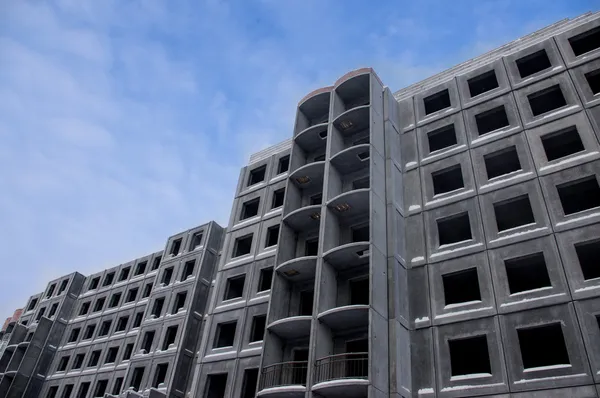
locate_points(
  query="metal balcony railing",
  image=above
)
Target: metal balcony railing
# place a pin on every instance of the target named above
(342, 366)
(284, 374)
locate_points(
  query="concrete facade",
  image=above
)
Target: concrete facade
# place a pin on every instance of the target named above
(439, 241)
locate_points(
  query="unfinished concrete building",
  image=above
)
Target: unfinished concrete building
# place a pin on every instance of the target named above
(439, 241)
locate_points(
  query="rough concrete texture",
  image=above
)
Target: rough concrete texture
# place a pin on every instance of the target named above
(436, 242)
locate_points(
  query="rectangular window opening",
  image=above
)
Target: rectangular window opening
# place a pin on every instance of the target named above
(53, 310)
(141, 268)
(361, 183)
(166, 276)
(124, 274)
(136, 379)
(137, 321)
(78, 361)
(546, 100)
(114, 300)
(225, 334)
(469, 356)
(258, 328)
(593, 79)
(588, 254)
(359, 291)
(437, 102)
(40, 313)
(266, 277)
(278, 197)
(249, 383)
(122, 324)
(250, 208)
(104, 328)
(188, 269)
(579, 195)
(160, 374)
(89, 332)
(147, 290)
(284, 164)
(74, 335)
(461, 286)
(316, 199)
(306, 303)
(196, 240)
(272, 236)
(108, 279)
(243, 246)
(441, 138)
(111, 355)
(585, 42)
(257, 175)
(562, 143)
(447, 180)
(483, 83)
(62, 364)
(454, 229)
(101, 386)
(84, 388)
(158, 306)
(32, 304)
(67, 391)
(502, 162)
(179, 302)
(176, 247)
(491, 120)
(132, 295)
(235, 287)
(51, 290)
(94, 283)
(63, 286)
(128, 352)
(117, 386)
(360, 233)
(156, 263)
(94, 358)
(99, 304)
(311, 247)
(147, 341)
(533, 63)
(514, 212)
(52, 392)
(527, 273)
(170, 335)
(535, 342)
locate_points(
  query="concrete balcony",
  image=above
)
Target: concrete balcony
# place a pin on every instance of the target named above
(342, 375)
(304, 218)
(285, 379)
(347, 255)
(313, 138)
(309, 175)
(291, 328)
(345, 317)
(353, 121)
(350, 204)
(352, 159)
(299, 269)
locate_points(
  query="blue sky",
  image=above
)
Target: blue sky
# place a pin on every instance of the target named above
(123, 121)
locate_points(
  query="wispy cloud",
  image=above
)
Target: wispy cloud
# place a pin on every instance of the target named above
(124, 122)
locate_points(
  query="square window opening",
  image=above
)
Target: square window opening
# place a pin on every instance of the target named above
(533, 63)
(562, 143)
(250, 208)
(108, 279)
(447, 180)
(437, 102)
(74, 335)
(588, 254)
(454, 229)
(94, 358)
(122, 324)
(84, 388)
(101, 386)
(469, 356)
(89, 332)
(461, 286)
(272, 236)
(32, 304)
(483, 83)
(266, 277)
(216, 385)
(360, 233)
(114, 300)
(94, 283)
(52, 391)
(593, 79)
(278, 197)
(491, 120)
(441, 138)
(257, 175)
(527, 273)
(585, 42)
(502, 162)
(62, 364)
(99, 304)
(235, 287)
(359, 291)
(258, 328)
(284, 164)
(514, 212)
(111, 355)
(546, 100)
(579, 195)
(104, 328)
(67, 391)
(535, 342)
(242, 246)
(225, 335)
